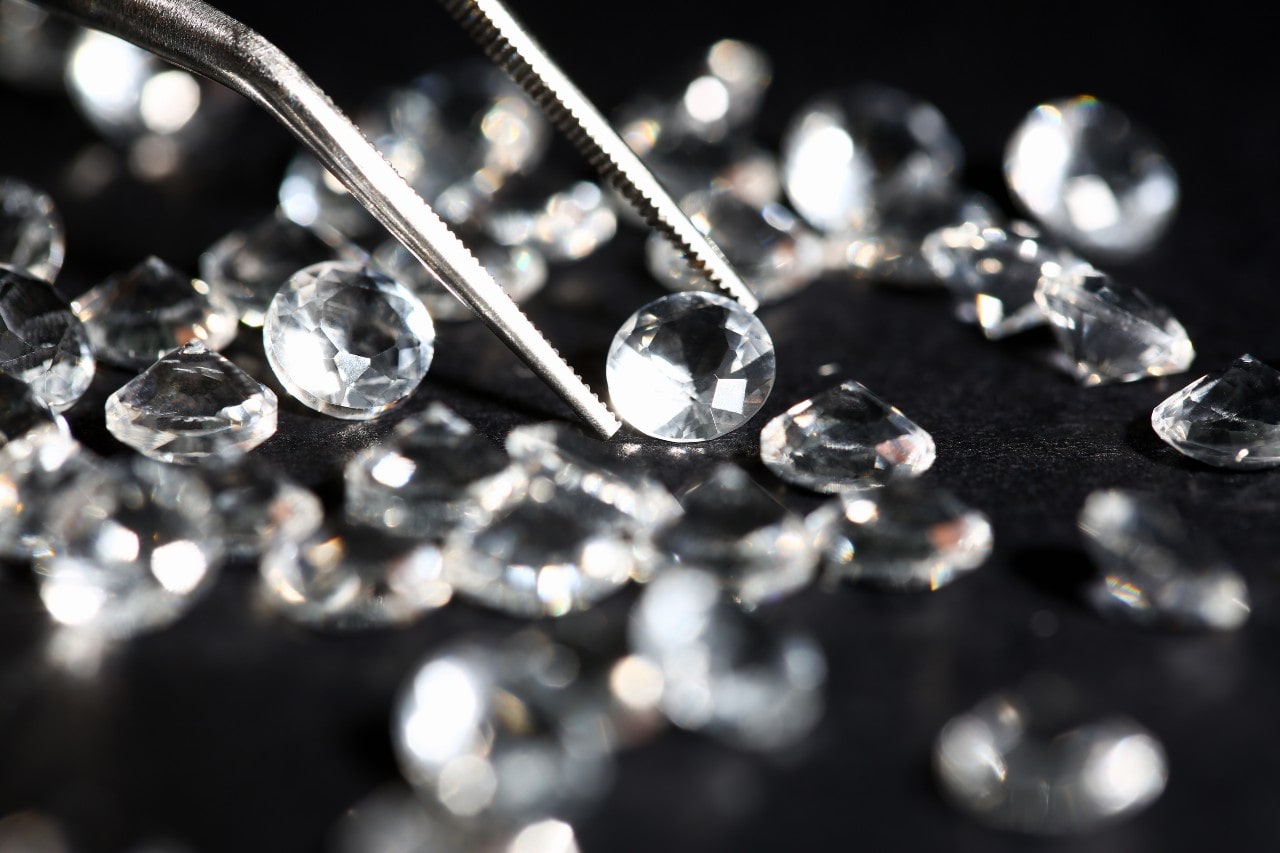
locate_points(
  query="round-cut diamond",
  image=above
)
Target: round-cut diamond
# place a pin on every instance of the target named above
(257, 504)
(1091, 176)
(31, 233)
(191, 404)
(39, 470)
(690, 367)
(1229, 418)
(42, 342)
(347, 340)
(131, 553)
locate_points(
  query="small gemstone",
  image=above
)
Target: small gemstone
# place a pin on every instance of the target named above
(42, 342)
(521, 271)
(907, 536)
(773, 252)
(135, 317)
(690, 367)
(724, 672)
(571, 225)
(22, 411)
(993, 272)
(1111, 332)
(38, 471)
(1229, 418)
(844, 439)
(347, 340)
(191, 404)
(133, 552)
(1091, 176)
(1154, 571)
(844, 150)
(731, 528)
(251, 264)
(416, 482)
(577, 462)
(1024, 764)
(31, 234)
(258, 505)
(351, 578)
(485, 731)
(538, 549)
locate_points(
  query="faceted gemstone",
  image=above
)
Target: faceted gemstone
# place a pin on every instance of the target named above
(845, 149)
(569, 226)
(22, 411)
(132, 551)
(135, 317)
(724, 672)
(31, 234)
(733, 529)
(346, 340)
(1154, 571)
(1111, 332)
(482, 731)
(844, 439)
(1022, 763)
(577, 462)
(993, 272)
(416, 482)
(37, 470)
(351, 578)
(257, 504)
(251, 264)
(1091, 176)
(521, 271)
(1229, 418)
(191, 404)
(690, 367)
(33, 46)
(773, 252)
(907, 536)
(42, 342)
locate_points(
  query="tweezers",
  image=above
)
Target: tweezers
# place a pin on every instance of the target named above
(202, 39)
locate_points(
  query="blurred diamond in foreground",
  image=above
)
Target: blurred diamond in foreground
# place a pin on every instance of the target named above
(1229, 418)
(39, 470)
(257, 504)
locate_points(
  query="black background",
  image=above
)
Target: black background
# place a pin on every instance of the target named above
(234, 731)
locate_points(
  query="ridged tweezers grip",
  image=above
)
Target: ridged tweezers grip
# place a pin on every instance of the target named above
(202, 39)
(509, 44)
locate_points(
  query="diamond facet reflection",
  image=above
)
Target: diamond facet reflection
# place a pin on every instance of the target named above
(844, 439)
(1154, 571)
(1091, 176)
(690, 367)
(1229, 418)
(1111, 332)
(31, 233)
(346, 340)
(42, 342)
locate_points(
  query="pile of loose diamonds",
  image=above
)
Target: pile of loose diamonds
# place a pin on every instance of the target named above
(503, 740)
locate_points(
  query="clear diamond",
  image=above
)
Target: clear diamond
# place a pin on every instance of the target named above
(350, 578)
(1111, 332)
(690, 367)
(843, 150)
(733, 529)
(31, 234)
(521, 271)
(1091, 176)
(133, 552)
(416, 482)
(42, 342)
(480, 729)
(1154, 571)
(191, 404)
(725, 673)
(252, 263)
(1014, 762)
(538, 549)
(33, 46)
(22, 411)
(38, 471)
(906, 536)
(135, 317)
(844, 439)
(1229, 418)
(577, 462)
(992, 273)
(257, 505)
(889, 247)
(570, 225)
(346, 340)
(773, 252)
